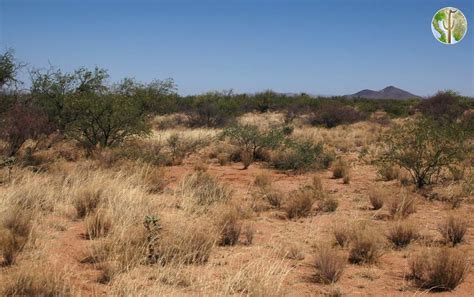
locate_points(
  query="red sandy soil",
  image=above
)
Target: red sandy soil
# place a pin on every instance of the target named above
(69, 247)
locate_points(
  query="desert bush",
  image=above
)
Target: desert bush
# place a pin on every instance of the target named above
(439, 270)
(98, 224)
(298, 155)
(180, 147)
(366, 246)
(443, 106)
(334, 113)
(453, 229)
(36, 281)
(21, 123)
(340, 169)
(377, 198)
(402, 206)
(402, 233)
(86, 201)
(228, 221)
(300, 202)
(251, 139)
(423, 147)
(201, 189)
(329, 264)
(110, 119)
(15, 230)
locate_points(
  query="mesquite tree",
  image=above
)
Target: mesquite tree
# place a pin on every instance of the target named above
(424, 147)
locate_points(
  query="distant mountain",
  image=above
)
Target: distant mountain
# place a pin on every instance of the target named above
(390, 92)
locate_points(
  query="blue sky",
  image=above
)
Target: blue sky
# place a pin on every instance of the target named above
(321, 47)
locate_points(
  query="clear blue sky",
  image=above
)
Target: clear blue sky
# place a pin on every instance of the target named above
(319, 47)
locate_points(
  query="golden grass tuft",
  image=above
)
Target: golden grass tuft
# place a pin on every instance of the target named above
(15, 230)
(36, 281)
(98, 224)
(377, 198)
(439, 269)
(402, 233)
(228, 222)
(453, 229)
(200, 190)
(329, 264)
(402, 206)
(340, 169)
(86, 201)
(365, 246)
(300, 203)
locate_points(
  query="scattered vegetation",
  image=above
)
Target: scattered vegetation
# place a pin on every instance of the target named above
(402, 206)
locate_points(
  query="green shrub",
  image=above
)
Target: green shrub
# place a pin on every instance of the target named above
(298, 155)
(252, 139)
(423, 147)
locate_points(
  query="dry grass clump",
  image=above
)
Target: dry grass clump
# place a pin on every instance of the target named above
(262, 277)
(274, 198)
(439, 270)
(388, 172)
(402, 233)
(328, 204)
(228, 222)
(402, 207)
(262, 180)
(15, 230)
(293, 252)
(36, 281)
(98, 224)
(201, 165)
(86, 201)
(300, 202)
(346, 179)
(249, 234)
(155, 179)
(246, 157)
(185, 242)
(365, 246)
(342, 234)
(340, 169)
(453, 229)
(201, 189)
(377, 198)
(329, 264)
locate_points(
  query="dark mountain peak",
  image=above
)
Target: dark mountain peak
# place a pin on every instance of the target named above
(390, 92)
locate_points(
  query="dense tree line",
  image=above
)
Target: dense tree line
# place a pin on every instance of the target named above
(82, 105)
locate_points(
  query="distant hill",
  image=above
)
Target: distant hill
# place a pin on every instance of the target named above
(390, 92)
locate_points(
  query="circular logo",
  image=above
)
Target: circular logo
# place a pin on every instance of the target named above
(449, 25)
